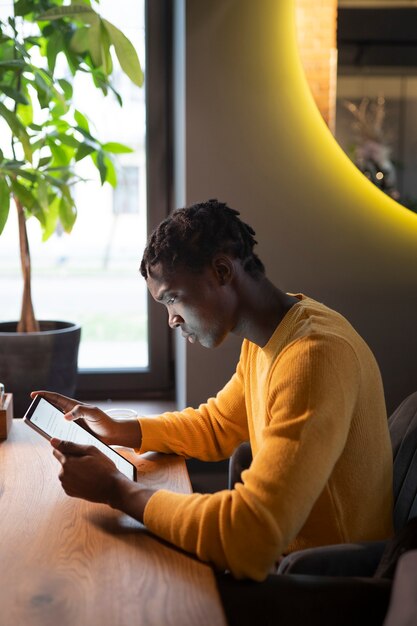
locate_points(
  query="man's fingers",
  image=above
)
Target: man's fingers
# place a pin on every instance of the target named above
(62, 402)
(68, 448)
(75, 413)
(58, 455)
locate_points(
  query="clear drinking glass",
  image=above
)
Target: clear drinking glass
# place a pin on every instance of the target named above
(121, 413)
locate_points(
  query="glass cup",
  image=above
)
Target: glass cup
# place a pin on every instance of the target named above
(121, 413)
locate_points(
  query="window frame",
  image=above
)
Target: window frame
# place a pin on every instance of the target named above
(157, 380)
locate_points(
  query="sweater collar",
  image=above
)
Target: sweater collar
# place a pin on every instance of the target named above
(280, 334)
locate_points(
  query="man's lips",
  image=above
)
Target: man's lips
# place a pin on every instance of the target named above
(190, 336)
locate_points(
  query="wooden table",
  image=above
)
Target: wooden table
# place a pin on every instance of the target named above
(67, 562)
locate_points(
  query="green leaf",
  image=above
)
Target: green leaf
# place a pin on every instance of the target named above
(23, 194)
(25, 114)
(17, 129)
(118, 96)
(87, 135)
(59, 153)
(60, 125)
(95, 45)
(43, 84)
(4, 203)
(105, 42)
(14, 94)
(26, 175)
(23, 48)
(126, 53)
(87, 2)
(66, 88)
(43, 196)
(44, 161)
(53, 48)
(34, 41)
(51, 218)
(81, 120)
(13, 164)
(39, 214)
(44, 88)
(67, 211)
(59, 109)
(102, 167)
(100, 79)
(14, 64)
(84, 150)
(23, 7)
(111, 176)
(68, 11)
(54, 179)
(80, 40)
(116, 148)
(68, 140)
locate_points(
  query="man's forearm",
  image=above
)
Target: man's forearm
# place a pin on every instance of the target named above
(128, 434)
(129, 497)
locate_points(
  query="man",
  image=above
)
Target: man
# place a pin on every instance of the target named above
(307, 393)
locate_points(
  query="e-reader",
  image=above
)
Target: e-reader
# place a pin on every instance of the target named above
(49, 421)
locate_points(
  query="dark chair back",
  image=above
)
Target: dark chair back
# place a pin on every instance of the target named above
(239, 461)
(403, 431)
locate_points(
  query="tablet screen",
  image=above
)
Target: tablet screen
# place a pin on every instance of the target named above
(49, 420)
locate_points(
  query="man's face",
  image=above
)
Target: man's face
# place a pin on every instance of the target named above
(200, 304)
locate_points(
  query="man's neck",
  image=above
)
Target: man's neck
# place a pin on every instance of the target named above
(263, 307)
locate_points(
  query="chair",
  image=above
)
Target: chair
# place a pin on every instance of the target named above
(348, 583)
(297, 600)
(358, 559)
(361, 559)
(239, 461)
(403, 431)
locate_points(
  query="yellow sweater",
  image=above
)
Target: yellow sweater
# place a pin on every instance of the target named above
(311, 403)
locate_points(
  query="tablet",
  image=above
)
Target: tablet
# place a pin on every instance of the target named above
(49, 421)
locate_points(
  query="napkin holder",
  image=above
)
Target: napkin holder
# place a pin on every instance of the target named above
(6, 415)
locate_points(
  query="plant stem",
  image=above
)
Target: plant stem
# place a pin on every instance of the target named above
(28, 322)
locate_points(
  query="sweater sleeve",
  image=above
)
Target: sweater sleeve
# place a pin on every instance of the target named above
(311, 395)
(209, 433)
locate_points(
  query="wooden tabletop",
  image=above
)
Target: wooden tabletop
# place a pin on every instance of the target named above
(67, 562)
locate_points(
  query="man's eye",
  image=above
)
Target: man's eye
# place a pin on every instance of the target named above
(171, 300)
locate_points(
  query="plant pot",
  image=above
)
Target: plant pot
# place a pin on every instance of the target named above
(43, 360)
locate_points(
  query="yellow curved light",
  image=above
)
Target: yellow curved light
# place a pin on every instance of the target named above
(341, 175)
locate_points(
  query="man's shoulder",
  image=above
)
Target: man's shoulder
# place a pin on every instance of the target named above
(310, 316)
(311, 321)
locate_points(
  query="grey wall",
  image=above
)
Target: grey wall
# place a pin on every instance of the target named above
(249, 142)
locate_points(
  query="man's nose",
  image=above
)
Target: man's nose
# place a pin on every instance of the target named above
(174, 320)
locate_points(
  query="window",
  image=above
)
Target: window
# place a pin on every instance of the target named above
(92, 275)
(126, 194)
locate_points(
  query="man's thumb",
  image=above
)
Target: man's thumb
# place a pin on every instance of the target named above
(68, 447)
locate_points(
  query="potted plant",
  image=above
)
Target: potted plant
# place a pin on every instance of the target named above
(48, 136)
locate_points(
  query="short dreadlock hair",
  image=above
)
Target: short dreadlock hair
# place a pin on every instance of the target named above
(190, 238)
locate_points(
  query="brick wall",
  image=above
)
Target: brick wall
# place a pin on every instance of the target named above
(316, 22)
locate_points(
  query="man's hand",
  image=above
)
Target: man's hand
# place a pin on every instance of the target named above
(87, 473)
(114, 432)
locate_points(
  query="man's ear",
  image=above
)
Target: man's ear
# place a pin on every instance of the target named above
(223, 268)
